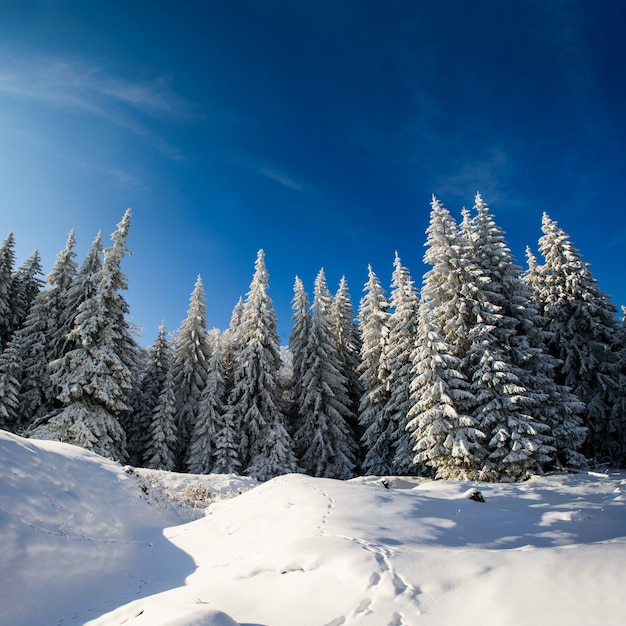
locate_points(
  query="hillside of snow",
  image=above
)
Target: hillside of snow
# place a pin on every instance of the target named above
(86, 541)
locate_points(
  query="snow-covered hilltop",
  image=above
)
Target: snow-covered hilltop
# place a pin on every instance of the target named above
(85, 540)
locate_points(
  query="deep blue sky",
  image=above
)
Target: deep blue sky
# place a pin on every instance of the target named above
(316, 130)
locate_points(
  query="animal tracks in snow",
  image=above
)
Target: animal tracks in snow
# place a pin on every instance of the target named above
(384, 582)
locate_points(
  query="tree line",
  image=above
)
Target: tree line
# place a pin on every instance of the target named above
(488, 372)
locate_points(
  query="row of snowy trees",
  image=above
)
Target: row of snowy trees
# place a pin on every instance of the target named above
(489, 373)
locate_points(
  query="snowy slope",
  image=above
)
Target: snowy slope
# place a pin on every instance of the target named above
(83, 543)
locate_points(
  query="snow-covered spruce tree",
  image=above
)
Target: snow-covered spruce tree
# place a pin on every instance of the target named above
(618, 410)
(389, 448)
(324, 434)
(162, 440)
(299, 338)
(229, 340)
(7, 261)
(82, 288)
(219, 426)
(581, 321)
(203, 446)
(373, 371)
(96, 376)
(449, 285)
(444, 435)
(254, 408)
(399, 351)
(345, 333)
(145, 397)
(560, 408)
(508, 402)
(26, 284)
(10, 377)
(43, 337)
(226, 454)
(191, 353)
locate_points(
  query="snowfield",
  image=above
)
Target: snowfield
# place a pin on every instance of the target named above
(87, 541)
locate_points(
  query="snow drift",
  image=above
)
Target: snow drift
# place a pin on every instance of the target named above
(88, 541)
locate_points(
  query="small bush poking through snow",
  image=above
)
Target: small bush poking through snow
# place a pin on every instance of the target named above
(187, 496)
(197, 494)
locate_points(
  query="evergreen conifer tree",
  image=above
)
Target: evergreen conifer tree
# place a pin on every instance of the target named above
(10, 377)
(26, 284)
(445, 436)
(345, 333)
(559, 408)
(581, 322)
(97, 375)
(7, 261)
(266, 449)
(483, 311)
(226, 457)
(400, 348)
(230, 345)
(373, 370)
(298, 341)
(449, 286)
(83, 287)
(203, 447)
(508, 400)
(324, 433)
(191, 354)
(138, 421)
(43, 339)
(162, 437)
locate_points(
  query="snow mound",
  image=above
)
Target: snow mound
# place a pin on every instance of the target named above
(83, 544)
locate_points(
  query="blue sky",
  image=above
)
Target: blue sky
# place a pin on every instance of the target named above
(314, 130)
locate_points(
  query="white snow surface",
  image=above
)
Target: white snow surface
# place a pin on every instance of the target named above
(87, 541)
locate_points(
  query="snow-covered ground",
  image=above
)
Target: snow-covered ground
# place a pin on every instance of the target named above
(85, 540)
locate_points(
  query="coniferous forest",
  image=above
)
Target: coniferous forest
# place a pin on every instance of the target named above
(486, 372)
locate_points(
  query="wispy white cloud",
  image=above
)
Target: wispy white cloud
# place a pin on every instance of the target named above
(77, 87)
(279, 177)
(276, 174)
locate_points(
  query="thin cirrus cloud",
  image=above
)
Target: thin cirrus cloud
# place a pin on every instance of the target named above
(279, 177)
(74, 86)
(268, 171)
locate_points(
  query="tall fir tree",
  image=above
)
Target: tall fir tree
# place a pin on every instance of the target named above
(445, 436)
(618, 410)
(581, 322)
(226, 455)
(266, 449)
(145, 396)
(324, 435)
(450, 283)
(43, 339)
(10, 377)
(7, 261)
(559, 408)
(83, 287)
(477, 301)
(203, 447)
(299, 338)
(191, 353)
(373, 370)
(229, 342)
(345, 333)
(389, 448)
(400, 348)
(25, 286)
(162, 442)
(97, 375)
(508, 400)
